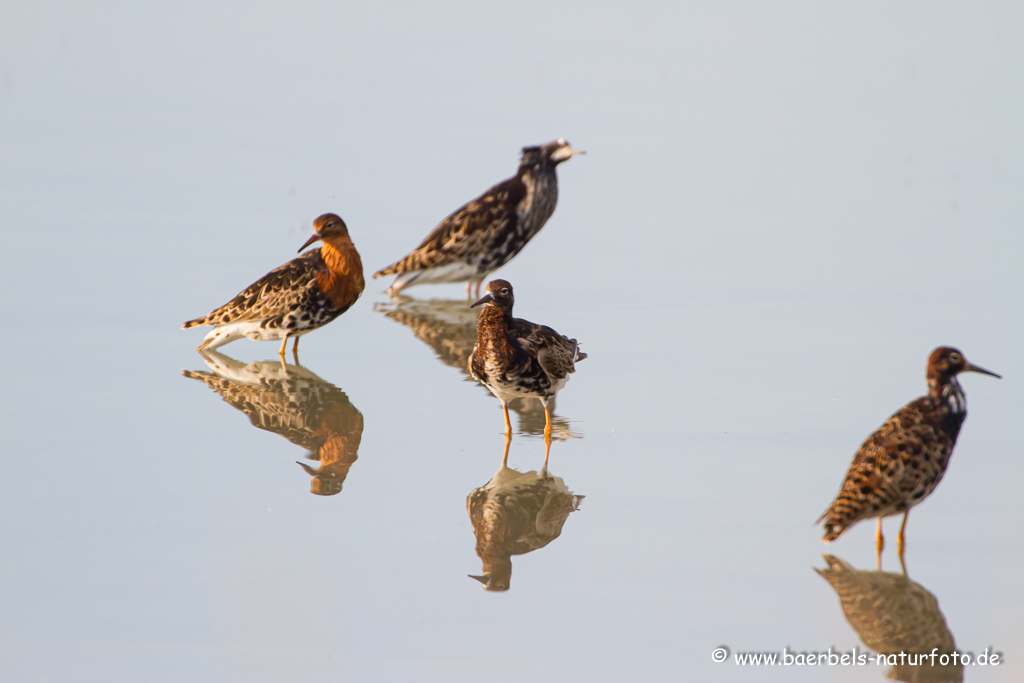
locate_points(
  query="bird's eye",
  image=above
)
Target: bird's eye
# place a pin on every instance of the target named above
(955, 357)
(504, 290)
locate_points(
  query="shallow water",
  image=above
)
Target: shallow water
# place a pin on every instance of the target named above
(780, 214)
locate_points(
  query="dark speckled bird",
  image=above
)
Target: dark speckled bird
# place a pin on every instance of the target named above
(449, 328)
(901, 463)
(306, 293)
(485, 234)
(515, 358)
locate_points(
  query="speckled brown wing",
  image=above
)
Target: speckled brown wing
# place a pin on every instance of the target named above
(556, 353)
(467, 231)
(276, 293)
(895, 468)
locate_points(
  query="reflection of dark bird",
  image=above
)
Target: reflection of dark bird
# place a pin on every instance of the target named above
(903, 462)
(892, 614)
(449, 328)
(516, 513)
(292, 401)
(489, 231)
(514, 357)
(306, 293)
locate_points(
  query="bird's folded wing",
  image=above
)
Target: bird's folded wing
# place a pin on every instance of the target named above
(275, 293)
(469, 230)
(555, 352)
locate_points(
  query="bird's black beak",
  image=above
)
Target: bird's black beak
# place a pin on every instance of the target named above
(486, 298)
(310, 241)
(974, 368)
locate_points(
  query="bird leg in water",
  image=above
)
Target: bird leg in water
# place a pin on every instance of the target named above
(284, 344)
(901, 546)
(547, 453)
(295, 350)
(547, 423)
(508, 441)
(879, 543)
(508, 423)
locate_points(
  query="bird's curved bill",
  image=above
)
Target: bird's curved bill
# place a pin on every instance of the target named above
(974, 368)
(310, 241)
(486, 298)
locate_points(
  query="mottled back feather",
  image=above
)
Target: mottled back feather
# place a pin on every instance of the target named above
(276, 293)
(896, 467)
(467, 231)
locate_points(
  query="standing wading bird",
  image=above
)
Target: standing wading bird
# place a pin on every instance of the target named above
(901, 463)
(515, 358)
(306, 293)
(448, 327)
(489, 231)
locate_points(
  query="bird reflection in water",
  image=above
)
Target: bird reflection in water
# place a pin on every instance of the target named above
(449, 328)
(892, 614)
(292, 401)
(516, 513)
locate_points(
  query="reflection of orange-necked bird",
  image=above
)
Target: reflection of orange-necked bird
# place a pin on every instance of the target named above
(515, 358)
(292, 401)
(901, 463)
(306, 293)
(516, 513)
(892, 615)
(449, 328)
(489, 231)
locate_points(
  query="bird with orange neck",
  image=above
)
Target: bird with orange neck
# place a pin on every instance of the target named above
(302, 295)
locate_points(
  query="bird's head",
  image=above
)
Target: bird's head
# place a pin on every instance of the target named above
(946, 362)
(326, 227)
(553, 153)
(499, 294)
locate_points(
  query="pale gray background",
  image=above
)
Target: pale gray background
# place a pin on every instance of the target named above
(783, 209)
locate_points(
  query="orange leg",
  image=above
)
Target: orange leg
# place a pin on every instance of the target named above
(469, 290)
(901, 545)
(547, 454)
(284, 344)
(295, 350)
(504, 459)
(547, 423)
(879, 543)
(478, 283)
(508, 423)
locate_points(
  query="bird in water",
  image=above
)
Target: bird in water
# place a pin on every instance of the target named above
(448, 327)
(485, 234)
(306, 293)
(904, 460)
(515, 358)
